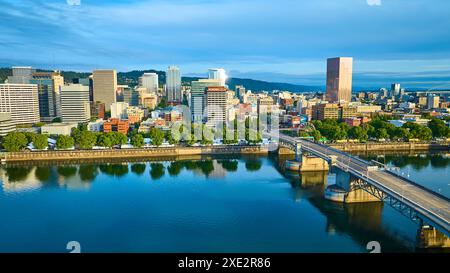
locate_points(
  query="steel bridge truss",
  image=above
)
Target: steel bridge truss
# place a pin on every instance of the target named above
(395, 203)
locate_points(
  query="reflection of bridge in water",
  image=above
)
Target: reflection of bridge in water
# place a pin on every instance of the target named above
(362, 181)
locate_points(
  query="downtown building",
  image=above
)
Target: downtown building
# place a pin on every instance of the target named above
(21, 74)
(173, 85)
(339, 79)
(198, 97)
(75, 106)
(21, 101)
(49, 84)
(149, 81)
(104, 87)
(216, 105)
(218, 74)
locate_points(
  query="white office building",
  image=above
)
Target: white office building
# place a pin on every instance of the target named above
(21, 75)
(119, 110)
(21, 101)
(218, 74)
(150, 82)
(75, 103)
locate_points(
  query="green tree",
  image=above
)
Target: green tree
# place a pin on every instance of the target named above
(137, 141)
(400, 133)
(438, 128)
(381, 134)
(358, 132)
(14, 142)
(40, 142)
(86, 140)
(64, 142)
(157, 136)
(104, 140)
(316, 135)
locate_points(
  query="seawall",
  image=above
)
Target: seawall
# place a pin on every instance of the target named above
(389, 147)
(131, 153)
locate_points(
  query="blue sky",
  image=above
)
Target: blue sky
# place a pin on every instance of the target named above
(285, 40)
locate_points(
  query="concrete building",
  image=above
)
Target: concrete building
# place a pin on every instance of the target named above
(339, 79)
(105, 87)
(325, 111)
(119, 110)
(21, 101)
(265, 104)
(216, 103)
(150, 82)
(75, 106)
(173, 85)
(432, 101)
(21, 75)
(58, 128)
(198, 97)
(6, 124)
(218, 74)
(149, 100)
(136, 114)
(131, 96)
(49, 85)
(96, 126)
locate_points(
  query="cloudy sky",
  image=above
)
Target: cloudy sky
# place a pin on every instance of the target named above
(406, 41)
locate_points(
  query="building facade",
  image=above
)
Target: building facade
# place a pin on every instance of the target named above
(6, 124)
(150, 82)
(21, 101)
(173, 85)
(339, 79)
(105, 86)
(216, 105)
(75, 106)
(198, 97)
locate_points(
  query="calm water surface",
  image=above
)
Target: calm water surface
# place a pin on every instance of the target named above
(244, 204)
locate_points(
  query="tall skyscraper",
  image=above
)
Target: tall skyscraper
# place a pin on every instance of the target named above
(21, 100)
(339, 79)
(395, 89)
(119, 110)
(49, 84)
(21, 75)
(216, 103)
(218, 74)
(75, 106)
(105, 86)
(198, 101)
(150, 82)
(173, 84)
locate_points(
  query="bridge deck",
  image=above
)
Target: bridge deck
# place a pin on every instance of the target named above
(430, 205)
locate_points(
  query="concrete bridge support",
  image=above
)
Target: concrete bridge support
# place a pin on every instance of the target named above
(306, 163)
(346, 190)
(429, 237)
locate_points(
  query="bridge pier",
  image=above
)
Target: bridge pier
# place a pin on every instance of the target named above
(429, 237)
(306, 163)
(346, 190)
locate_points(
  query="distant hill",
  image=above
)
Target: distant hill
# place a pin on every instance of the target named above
(131, 78)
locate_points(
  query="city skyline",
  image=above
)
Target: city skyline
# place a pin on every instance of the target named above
(291, 48)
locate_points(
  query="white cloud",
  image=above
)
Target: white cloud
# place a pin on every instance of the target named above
(73, 2)
(374, 2)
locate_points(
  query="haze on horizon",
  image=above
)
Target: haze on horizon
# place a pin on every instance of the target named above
(403, 41)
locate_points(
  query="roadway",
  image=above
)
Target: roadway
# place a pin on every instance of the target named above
(427, 203)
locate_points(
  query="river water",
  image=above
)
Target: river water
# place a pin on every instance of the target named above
(219, 204)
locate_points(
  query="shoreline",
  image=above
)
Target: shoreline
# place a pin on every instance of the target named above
(180, 152)
(123, 154)
(388, 147)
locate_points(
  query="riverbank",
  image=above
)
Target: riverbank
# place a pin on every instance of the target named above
(391, 146)
(132, 153)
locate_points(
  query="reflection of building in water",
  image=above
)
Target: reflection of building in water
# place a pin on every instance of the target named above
(28, 178)
(19, 179)
(210, 168)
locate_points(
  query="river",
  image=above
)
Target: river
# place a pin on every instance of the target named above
(214, 204)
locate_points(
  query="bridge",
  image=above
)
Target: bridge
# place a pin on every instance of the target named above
(421, 205)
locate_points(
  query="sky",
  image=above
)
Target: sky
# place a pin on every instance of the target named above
(405, 41)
